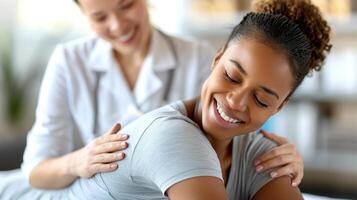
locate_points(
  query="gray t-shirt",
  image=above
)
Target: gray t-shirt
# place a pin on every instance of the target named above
(166, 147)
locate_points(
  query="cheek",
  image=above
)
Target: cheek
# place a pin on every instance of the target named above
(139, 13)
(209, 86)
(99, 29)
(258, 117)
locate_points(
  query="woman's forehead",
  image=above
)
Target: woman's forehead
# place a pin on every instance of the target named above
(263, 63)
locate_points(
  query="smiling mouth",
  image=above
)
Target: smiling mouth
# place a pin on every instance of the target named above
(127, 37)
(225, 117)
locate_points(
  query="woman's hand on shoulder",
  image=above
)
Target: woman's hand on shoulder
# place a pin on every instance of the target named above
(101, 155)
(285, 158)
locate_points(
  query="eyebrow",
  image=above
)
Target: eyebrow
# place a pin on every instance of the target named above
(97, 14)
(240, 68)
(270, 91)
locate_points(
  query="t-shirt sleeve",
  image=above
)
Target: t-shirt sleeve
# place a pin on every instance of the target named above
(257, 146)
(172, 150)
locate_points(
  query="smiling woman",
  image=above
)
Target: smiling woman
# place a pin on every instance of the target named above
(187, 150)
(205, 148)
(245, 82)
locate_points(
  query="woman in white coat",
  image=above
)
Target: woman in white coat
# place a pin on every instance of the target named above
(125, 69)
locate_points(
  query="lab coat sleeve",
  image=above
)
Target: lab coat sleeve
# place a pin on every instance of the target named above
(51, 134)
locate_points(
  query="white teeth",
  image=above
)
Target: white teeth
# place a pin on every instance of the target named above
(225, 117)
(127, 36)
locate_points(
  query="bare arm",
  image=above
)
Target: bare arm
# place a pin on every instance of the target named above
(100, 155)
(211, 188)
(279, 189)
(52, 173)
(198, 188)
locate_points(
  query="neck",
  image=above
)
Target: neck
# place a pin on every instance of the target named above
(223, 148)
(130, 63)
(136, 57)
(131, 60)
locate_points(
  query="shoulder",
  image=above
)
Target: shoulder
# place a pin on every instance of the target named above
(173, 145)
(249, 147)
(254, 144)
(163, 125)
(81, 47)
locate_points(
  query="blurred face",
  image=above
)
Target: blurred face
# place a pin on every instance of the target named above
(123, 23)
(249, 83)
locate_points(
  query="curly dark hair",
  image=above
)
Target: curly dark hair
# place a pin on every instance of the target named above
(309, 19)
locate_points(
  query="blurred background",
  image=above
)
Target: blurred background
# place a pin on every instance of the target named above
(321, 118)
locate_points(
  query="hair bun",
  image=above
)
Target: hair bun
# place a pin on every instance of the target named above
(309, 19)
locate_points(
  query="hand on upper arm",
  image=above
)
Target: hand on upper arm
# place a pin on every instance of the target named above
(198, 188)
(101, 155)
(285, 156)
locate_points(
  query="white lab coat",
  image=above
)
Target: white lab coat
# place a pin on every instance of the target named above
(66, 109)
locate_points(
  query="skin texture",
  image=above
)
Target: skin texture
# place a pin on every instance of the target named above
(242, 93)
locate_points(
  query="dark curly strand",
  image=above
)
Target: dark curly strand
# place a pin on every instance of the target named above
(310, 21)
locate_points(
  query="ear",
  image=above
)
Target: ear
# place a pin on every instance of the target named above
(217, 57)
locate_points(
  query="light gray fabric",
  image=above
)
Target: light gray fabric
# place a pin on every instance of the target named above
(244, 181)
(14, 186)
(166, 147)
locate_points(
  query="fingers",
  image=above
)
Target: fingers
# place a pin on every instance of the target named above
(97, 168)
(277, 139)
(114, 129)
(288, 170)
(297, 179)
(275, 162)
(109, 157)
(285, 149)
(111, 138)
(110, 147)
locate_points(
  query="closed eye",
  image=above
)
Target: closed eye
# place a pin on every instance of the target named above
(260, 103)
(126, 6)
(227, 77)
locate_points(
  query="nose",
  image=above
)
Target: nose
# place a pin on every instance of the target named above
(238, 100)
(116, 24)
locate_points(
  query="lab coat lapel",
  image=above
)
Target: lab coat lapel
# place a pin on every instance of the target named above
(101, 58)
(160, 60)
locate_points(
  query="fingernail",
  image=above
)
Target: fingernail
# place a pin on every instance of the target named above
(124, 137)
(123, 144)
(256, 162)
(121, 155)
(113, 165)
(273, 174)
(259, 168)
(294, 184)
